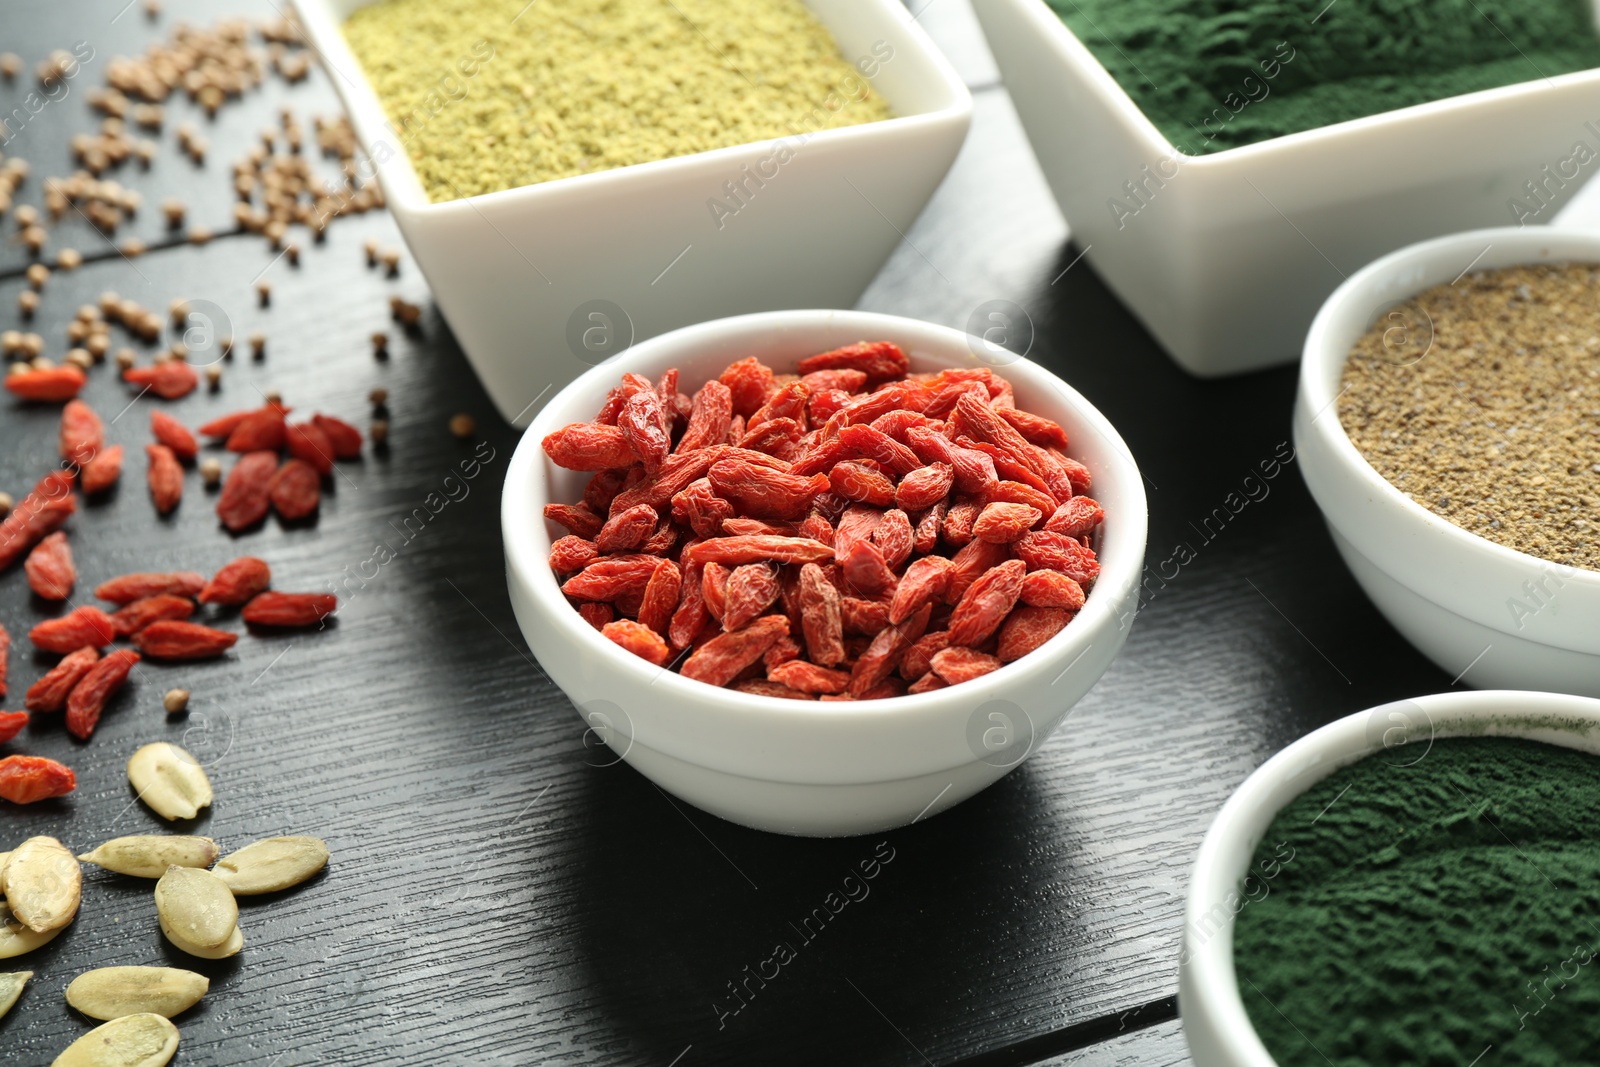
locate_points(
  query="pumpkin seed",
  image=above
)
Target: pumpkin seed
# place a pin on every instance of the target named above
(271, 864)
(149, 855)
(169, 780)
(143, 1040)
(112, 992)
(18, 940)
(11, 988)
(230, 947)
(197, 905)
(43, 884)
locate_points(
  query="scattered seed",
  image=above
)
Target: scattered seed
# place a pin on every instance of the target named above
(231, 947)
(38, 274)
(11, 988)
(196, 905)
(169, 780)
(125, 358)
(133, 248)
(258, 344)
(143, 1040)
(273, 397)
(292, 254)
(463, 426)
(174, 210)
(27, 303)
(379, 397)
(80, 358)
(149, 855)
(272, 864)
(113, 992)
(199, 235)
(69, 259)
(6, 504)
(213, 376)
(43, 884)
(176, 701)
(379, 431)
(391, 262)
(264, 293)
(211, 471)
(380, 344)
(17, 940)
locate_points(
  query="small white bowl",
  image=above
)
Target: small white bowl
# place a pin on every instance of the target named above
(1215, 1023)
(541, 282)
(1232, 252)
(806, 767)
(1450, 592)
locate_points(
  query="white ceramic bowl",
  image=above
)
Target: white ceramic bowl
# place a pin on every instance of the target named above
(1215, 1023)
(1452, 593)
(543, 281)
(1233, 252)
(806, 767)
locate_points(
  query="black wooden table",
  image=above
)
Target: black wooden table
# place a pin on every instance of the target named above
(493, 896)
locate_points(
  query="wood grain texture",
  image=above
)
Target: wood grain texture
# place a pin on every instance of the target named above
(495, 898)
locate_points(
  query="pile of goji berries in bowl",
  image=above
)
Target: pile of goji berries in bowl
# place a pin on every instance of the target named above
(822, 572)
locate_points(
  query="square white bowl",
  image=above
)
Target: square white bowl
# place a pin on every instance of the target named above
(543, 281)
(1232, 253)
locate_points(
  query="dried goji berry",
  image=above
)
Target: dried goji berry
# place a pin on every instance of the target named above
(763, 492)
(49, 568)
(27, 779)
(587, 446)
(874, 666)
(863, 617)
(36, 516)
(708, 418)
(775, 437)
(572, 553)
(1029, 627)
(976, 558)
(762, 687)
(637, 638)
(927, 684)
(858, 523)
(714, 588)
(174, 434)
(1051, 589)
(237, 581)
(595, 613)
(165, 476)
(1036, 429)
(977, 420)
(575, 517)
(295, 489)
(970, 469)
(169, 380)
(743, 527)
(894, 538)
(1003, 523)
(661, 596)
(808, 677)
(844, 379)
(626, 530)
(925, 535)
(719, 660)
(261, 430)
(817, 527)
(748, 381)
(222, 427)
(1076, 517)
(924, 487)
(783, 650)
(603, 487)
(177, 639)
(986, 603)
(289, 609)
(82, 434)
(880, 448)
(306, 441)
(878, 360)
(87, 625)
(861, 483)
(732, 551)
(643, 423)
(1007, 466)
(102, 472)
(915, 663)
(50, 692)
(924, 582)
(11, 724)
(1042, 550)
(1079, 475)
(821, 617)
(691, 616)
(1019, 493)
(344, 438)
(130, 587)
(865, 571)
(95, 689)
(131, 618)
(752, 589)
(245, 498)
(661, 542)
(957, 665)
(608, 579)
(701, 508)
(51, 385)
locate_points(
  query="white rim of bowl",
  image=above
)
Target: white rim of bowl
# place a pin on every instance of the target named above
(1213, 991)
(524, 496)
(1319, 357)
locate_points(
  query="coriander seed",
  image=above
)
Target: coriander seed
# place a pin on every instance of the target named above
(379, 431)
(463, 425)
(211, 471)
(378, 397)
(176, 701)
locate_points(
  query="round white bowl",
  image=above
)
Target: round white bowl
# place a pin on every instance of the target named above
(804, 767)
(1486, 614)
(1215, 1023)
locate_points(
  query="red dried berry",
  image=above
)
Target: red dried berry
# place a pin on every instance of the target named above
(306, 442)
(924, 487)
(880, 448)
(752, 589)
(748, 381)
(177, 639)
(262, 430)
(571, 553)
(882, 656)
(1002, 523)
(289, 609)
(878, 360)
(47, 386)
(1076, 517)
(861, 483)
(1036, 429)
(643, 423)
(175, 435)
(49, 693)
(714, 587)
(639, 639)
(865, 571)
(971, 471)
(295, 490)
(222, 427)
(49, 566)
(918, 658)
(719, 660)
(732, 551)
(808, 677)
(237, 581)
(691, 617)
(763, 492)
(957, 665)
(169, 380)
(1027, 628)
(87, 625)
(28, 779)
(924, 582)
(595, 614)
(611, 579)
(821, 617)
(102, 472)
(344, 438)
(986, 603)
(1042, 550)
(575, 517)
(627, 530)
(36, 516)
(82, 434)
(894, 538)
(95, 689)
(925, 538)
(708, 418)
(927, 684)
(165, 477)
(131, 618)
(1051, 589)
(245, 498)
(863, 617)
(661, 596)
(586, 446)
(976, 558)
(130, 587)
(11, 724)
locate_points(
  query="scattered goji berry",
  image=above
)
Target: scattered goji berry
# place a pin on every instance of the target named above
(82, 433)
(719, 660)
(222, 427)
(306, 441)
(289, 609)
(587, 446)
(49, 693)
(177, 639)
(956, 665)
(49, 386)
(101, 472)
(11, 724)
(131, 618)
(169, 380)
(344, 438)
(96, 688)
(245, 498)
(608, 579)
(295, 489)
(237, 581)
(36, 516)
(986, 603)
(127, 588)
(166, 478)
(262, 430)
(49, 566)
(87, 625)
(637, 638)
(174, 434)
(28, 779)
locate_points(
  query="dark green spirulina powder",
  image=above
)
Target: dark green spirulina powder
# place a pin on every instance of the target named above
(1215, 74)
(1429, 912)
